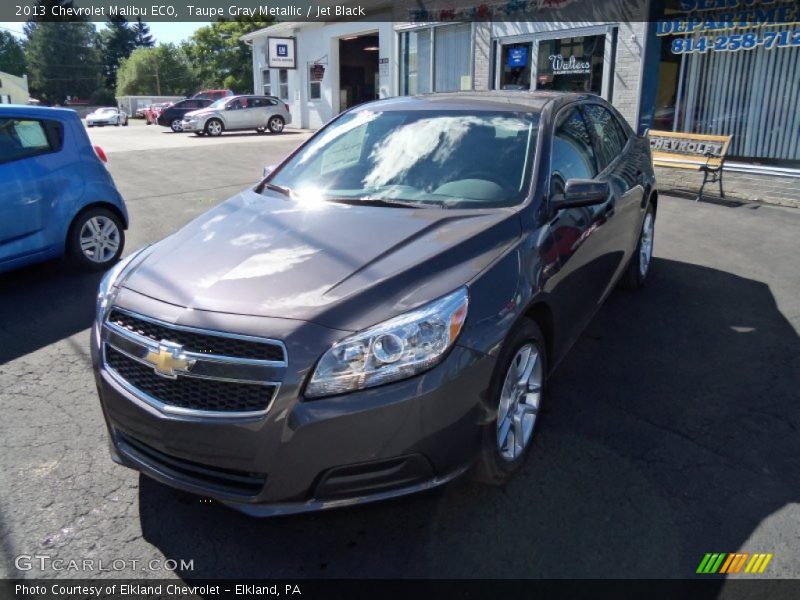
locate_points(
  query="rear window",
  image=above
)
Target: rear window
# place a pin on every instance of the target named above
(23, 138)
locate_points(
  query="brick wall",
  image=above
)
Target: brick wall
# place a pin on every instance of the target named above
(738, 186)
(627, 69)
(482, 69)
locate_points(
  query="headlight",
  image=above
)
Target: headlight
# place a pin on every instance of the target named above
(395, 349)
(108, 289)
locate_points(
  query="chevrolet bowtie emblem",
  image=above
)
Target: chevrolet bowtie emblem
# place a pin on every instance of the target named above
(169, 360)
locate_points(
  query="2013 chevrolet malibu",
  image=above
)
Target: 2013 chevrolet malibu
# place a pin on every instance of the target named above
(381, 313)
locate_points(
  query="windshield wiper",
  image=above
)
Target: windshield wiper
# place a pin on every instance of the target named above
(281, 189)
(390, 202)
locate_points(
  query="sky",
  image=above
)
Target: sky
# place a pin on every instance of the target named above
(163, 32)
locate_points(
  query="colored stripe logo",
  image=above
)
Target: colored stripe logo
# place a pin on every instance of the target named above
(724, 563)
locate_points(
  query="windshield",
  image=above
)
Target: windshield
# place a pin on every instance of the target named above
(218, 103)
(434, 158)
(107, 110)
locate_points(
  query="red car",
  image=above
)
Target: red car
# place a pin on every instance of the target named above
(213, 94)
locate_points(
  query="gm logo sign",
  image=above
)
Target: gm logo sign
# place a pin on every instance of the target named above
(722, 563)
(282, 50)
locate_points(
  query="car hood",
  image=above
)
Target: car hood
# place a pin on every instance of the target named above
(342, 266)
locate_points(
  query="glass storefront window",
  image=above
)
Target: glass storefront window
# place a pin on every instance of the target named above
(436, 59)
(415, 52)
(750, 93)
(515, 73)
(571, 64)
(283, 84)
(452, 57)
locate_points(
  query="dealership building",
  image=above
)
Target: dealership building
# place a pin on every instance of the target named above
(752, 94)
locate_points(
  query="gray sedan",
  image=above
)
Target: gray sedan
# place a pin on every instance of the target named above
(237, 113)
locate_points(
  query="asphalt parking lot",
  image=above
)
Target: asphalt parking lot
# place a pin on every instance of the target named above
(671, 429)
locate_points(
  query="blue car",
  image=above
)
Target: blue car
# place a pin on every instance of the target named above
(56, 196)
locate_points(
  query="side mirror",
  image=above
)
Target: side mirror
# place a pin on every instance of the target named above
(581, 192)
(267, 170)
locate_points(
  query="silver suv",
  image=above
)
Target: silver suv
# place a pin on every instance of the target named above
(238, 113)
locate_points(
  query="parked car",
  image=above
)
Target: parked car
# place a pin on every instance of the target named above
(107, 116)
(382, 312)
(172, 116)
(56, 198)
(213, 94)
(260, 113)
(153, 111)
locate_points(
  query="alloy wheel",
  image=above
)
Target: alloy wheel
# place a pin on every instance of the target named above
(519, 402)
(99, 239)
(214, 127)
(276, 124)
(176, 125)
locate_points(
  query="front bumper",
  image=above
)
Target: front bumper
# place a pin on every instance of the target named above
(192, 126)
(93, 123)
(304, 455)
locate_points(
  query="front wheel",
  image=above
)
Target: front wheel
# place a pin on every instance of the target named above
(639, 266)
(275, 124)
(176, 125)
(96, 239)
(515, 397)
(214, 127)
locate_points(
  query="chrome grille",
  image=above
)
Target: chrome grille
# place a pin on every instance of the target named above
(193, 341)
(190, 392)
(189, 371)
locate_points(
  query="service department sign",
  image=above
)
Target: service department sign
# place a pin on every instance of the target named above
(281, 53)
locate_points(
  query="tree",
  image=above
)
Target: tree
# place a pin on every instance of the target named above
(118, 41)
(142, 35)
(220, 58)
(62, 55)
(12, 56)
(163, 70)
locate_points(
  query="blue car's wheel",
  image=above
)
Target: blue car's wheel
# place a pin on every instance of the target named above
(96, 239)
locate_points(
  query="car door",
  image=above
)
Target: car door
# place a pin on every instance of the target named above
(580, 245)
(235, 114)
(623, 176)
(252, 113)
(31, 181)
(262, 109)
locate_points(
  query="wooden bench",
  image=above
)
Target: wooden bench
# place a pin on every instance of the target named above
(695, 151)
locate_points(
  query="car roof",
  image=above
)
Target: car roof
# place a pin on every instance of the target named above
(38, 112)
(502, 100)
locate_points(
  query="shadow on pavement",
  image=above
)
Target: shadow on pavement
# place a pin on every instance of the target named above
(671, 431)
(42, 304)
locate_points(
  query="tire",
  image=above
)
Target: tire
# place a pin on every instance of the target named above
(214, 127)
(176, 125)
(199, 133)
(125, 123)
(500, 457)
(638, 268)
(276, 124)
(117, 124)
(96, 239)
(261, 130)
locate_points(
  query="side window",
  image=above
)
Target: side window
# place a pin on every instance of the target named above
(610, 138)
(572, 154)
(23, 138)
